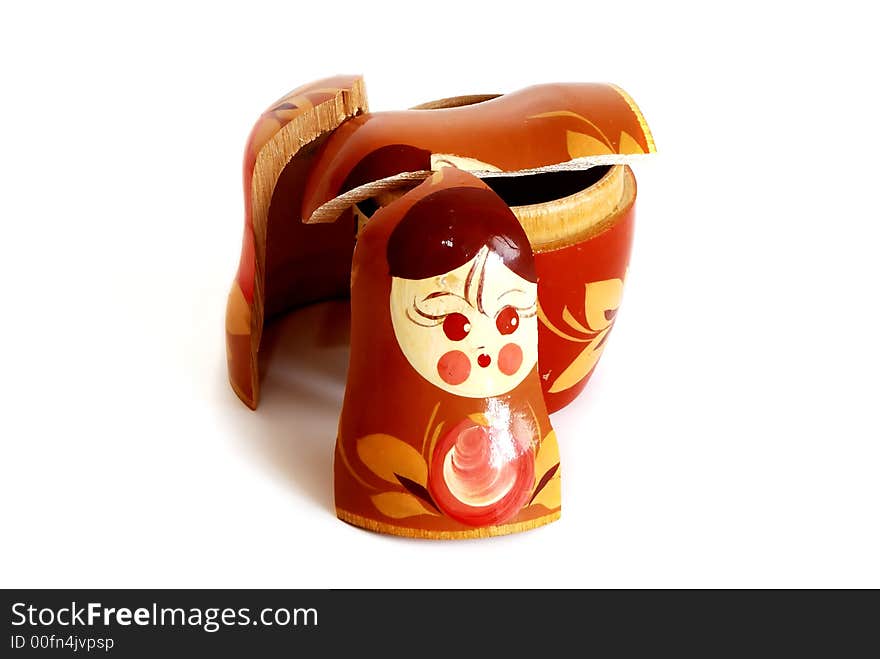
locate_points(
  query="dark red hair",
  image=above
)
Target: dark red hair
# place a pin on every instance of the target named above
(447, 228)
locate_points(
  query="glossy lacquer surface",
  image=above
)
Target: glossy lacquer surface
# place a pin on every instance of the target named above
(478, 307)
(302, 263)
(533, 127)
(444, 431)
(580, 290)
(286, 263)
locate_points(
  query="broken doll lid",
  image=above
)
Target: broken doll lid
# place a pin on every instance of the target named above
(539, 126)
(322, 131)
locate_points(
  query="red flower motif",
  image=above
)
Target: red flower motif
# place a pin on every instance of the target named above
(481, 476)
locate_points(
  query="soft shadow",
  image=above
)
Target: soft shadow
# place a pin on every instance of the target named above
(304, 359)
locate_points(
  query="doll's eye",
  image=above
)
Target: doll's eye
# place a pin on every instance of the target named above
(456, 326)
(507, 320)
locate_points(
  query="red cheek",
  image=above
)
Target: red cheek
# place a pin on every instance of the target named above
(454, 367)
(510, 359)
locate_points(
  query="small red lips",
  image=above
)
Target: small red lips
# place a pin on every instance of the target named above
(484, 360)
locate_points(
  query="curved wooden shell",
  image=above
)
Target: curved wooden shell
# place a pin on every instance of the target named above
(317, 142)
(301, 263)
(535, 127)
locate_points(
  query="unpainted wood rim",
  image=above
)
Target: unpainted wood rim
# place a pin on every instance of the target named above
(455, 102)
(579, 216)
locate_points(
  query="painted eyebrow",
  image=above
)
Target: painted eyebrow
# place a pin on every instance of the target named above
(433, 317)
(527, 312)
(467, 282)
(414, 321)
(512, 290)
(427, 315)
(530, 310)
(434, 296)
(480, 286)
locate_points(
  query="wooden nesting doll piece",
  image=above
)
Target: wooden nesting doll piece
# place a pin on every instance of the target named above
(285, 263)
(444, 432)
(317, 152)
(579, 222)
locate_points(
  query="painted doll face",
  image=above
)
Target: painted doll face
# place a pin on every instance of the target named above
(472, 331)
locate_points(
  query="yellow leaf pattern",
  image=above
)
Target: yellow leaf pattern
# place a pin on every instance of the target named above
(601, 300)
(628, 144)
(551, 496)
(577, 370)
(572, 321)
(398, 504)
(479, 418)
(601, 297)
(386, 456)
(580, 145)
(548, 454)
(238, 312)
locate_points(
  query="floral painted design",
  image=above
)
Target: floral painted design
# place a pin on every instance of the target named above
(480, 476)
(601, 300)
(462, 476)
(541, 126)
(244, 312)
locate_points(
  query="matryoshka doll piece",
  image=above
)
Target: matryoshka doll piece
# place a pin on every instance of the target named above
(444, 432)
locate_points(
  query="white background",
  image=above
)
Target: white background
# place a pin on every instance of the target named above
(730, 436)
